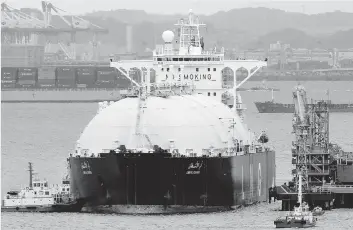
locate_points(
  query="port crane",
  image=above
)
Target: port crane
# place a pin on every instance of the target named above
(27, 27)
(76, 24)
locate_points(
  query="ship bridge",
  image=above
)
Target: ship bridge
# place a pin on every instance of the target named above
(183, 58)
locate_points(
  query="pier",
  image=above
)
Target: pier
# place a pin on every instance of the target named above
(327, 169)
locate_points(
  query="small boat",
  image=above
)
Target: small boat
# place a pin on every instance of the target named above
(300, 218)
(296, 219)
(39, 197)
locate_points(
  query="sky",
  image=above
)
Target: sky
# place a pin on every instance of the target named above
(183, 6)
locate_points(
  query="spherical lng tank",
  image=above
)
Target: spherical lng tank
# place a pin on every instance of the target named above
(210, 171)
(191, 121)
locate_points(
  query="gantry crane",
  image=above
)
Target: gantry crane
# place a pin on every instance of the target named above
(19, 28)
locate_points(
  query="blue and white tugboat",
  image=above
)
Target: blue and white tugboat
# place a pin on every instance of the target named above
(301, 217)
(40, 197)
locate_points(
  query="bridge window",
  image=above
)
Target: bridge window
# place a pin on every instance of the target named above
(180, 59)
(187, 59)
(209, 69)
(194, 59)
(162, 69)
(179, 69)
(175, 59)
(214, 69)
(197, 69)
(209, 94)
(46, 193)
(214, 94)
(167, 69)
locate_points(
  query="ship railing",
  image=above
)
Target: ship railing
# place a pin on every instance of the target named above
(206, 63)
(65, 89)
(337, 186)
(162, 53)
(321, 190)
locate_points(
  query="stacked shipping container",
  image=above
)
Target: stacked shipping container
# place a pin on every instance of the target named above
(8, 77)
(86, 77)
(106, 77)
(66, 77)
(46, 77)
(27, 77)
(122, 81)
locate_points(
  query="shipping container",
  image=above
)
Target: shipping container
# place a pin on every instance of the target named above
(106, 74)
(86, 76)
(8, 85)
(82, 86)
(66, 73)
(26, 84)
(46, 83)
(123, 82)
(9, 73)
(8, 81)
(66, 83)
(106, 84)
(30, 74)
(46, 73)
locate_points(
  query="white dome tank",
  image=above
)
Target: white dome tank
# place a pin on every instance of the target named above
(192, 121)
(168, 36)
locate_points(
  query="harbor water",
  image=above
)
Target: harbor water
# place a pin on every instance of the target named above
(45, 133)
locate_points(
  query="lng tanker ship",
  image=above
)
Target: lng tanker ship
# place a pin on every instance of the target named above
(173, 146)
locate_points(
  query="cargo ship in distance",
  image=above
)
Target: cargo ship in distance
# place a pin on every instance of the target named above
(275, 107)
(173, 146)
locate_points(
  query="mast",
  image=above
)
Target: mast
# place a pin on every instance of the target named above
(30, 174)
(190, 41)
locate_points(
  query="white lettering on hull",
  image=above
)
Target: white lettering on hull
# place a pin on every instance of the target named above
(194, 168)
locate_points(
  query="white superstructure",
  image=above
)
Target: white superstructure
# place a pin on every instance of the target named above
(183, 57)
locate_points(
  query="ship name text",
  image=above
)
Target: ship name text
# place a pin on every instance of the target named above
(86, 168)
(196, 77)
(194, 168)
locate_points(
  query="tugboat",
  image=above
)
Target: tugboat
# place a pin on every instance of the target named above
(39, 197)
(301, 217)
